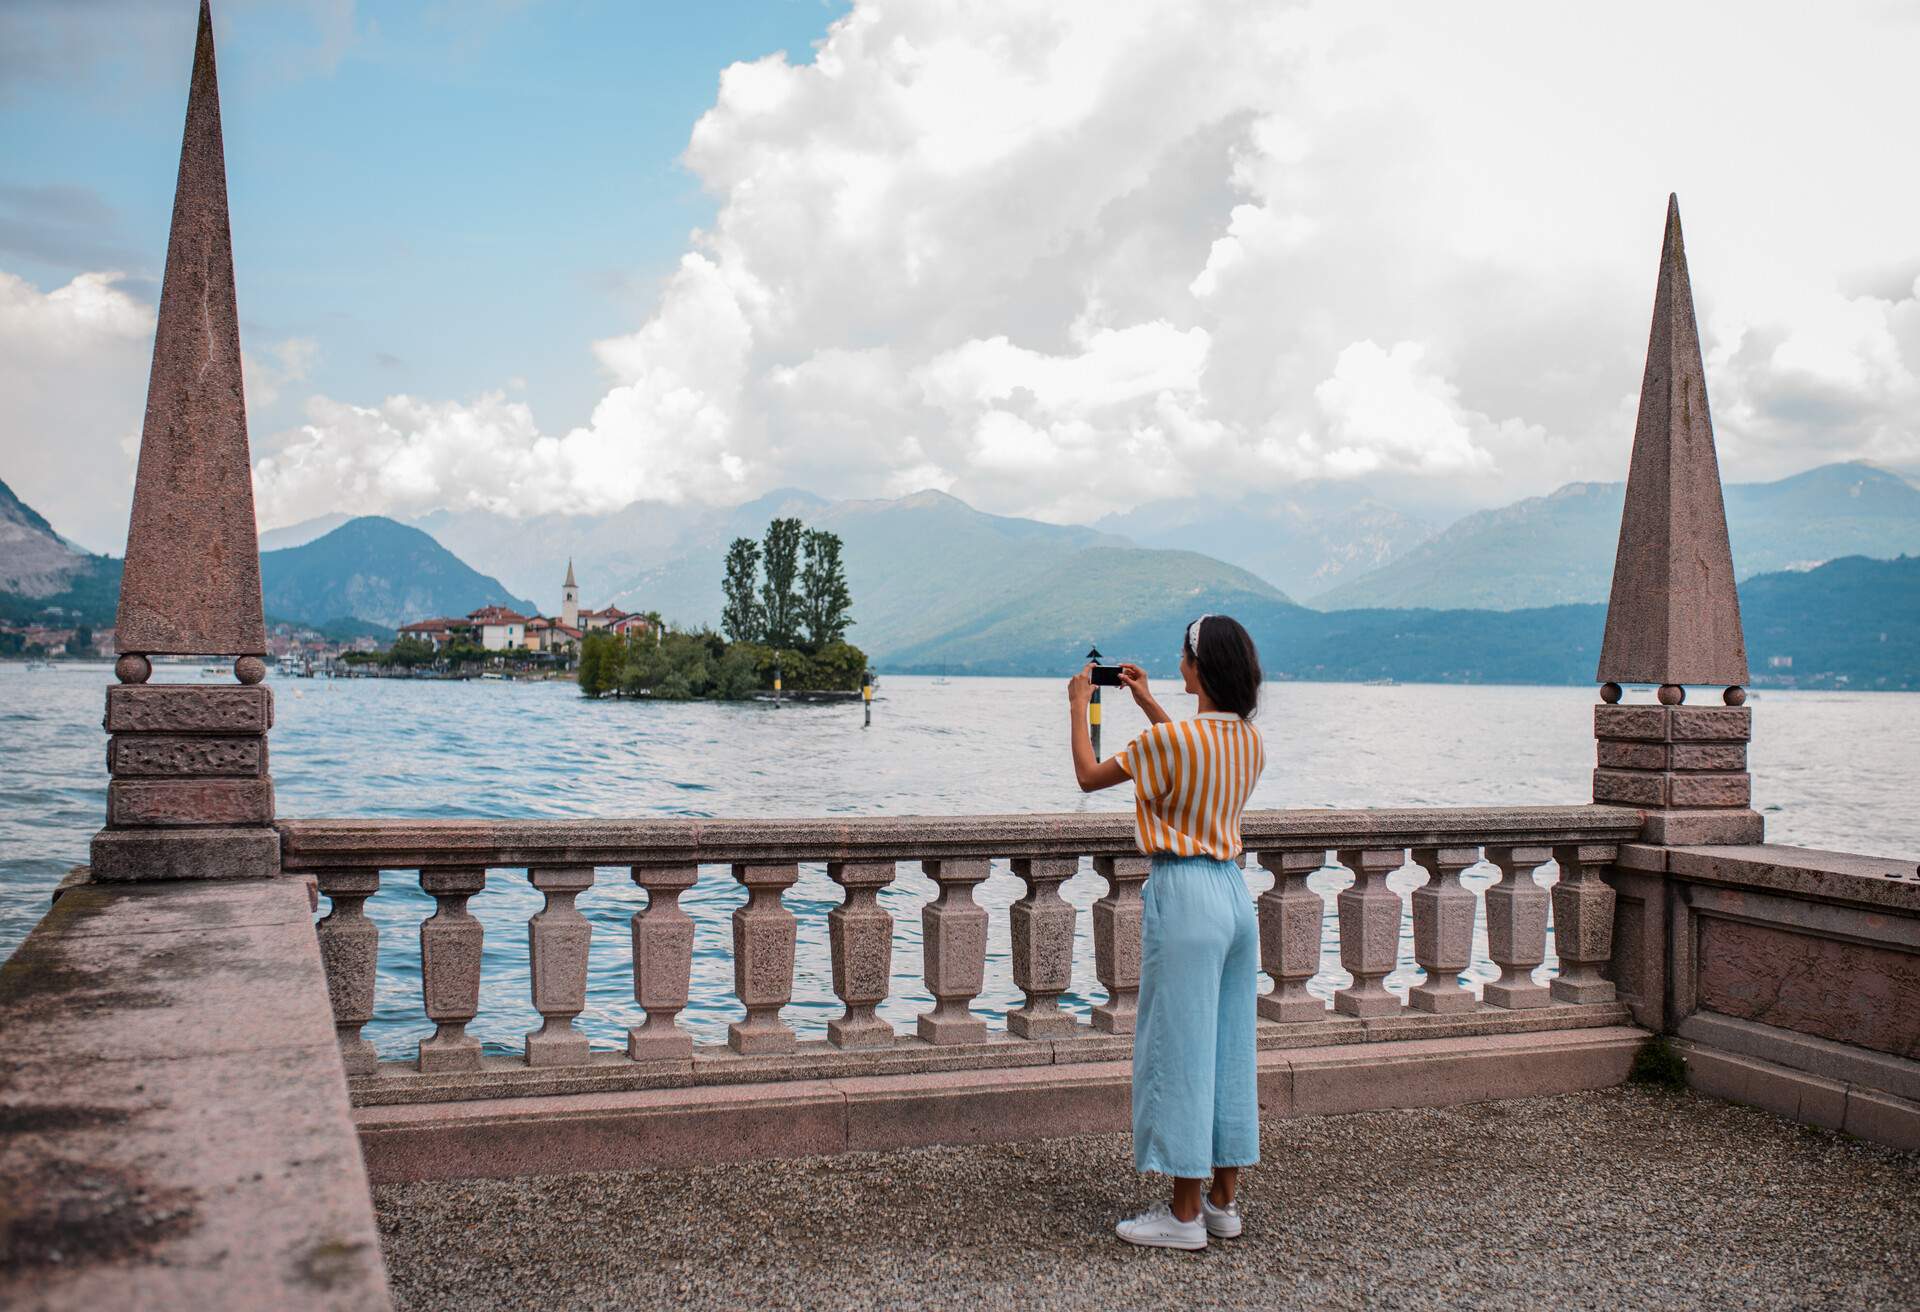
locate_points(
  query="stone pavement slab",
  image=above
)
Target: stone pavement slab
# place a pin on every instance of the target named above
(173, 1111)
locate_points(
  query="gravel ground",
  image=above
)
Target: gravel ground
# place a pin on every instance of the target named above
(1626, 1198)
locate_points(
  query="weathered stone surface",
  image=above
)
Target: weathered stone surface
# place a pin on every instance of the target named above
(662, 963)
(1630, 787)
(138, 855)
(1116, 941)
(413, 844)
(1443, 916)
(1674, 613)
(186, 708)
(174, 1131)
(350, 952)
(1881, 883)
(860, 942)
(1041, 926)
(1849, 992)
(132, 803)
(558, 940)
(953, 929)
(1665, 724)
(162, 756)
(191, 583)
(764, 933)
(1691, 827)
(1291, 916)
(1705, 790)
(451, 941)
(1369, 932)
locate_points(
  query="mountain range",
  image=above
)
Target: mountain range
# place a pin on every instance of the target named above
(938, 585)
(1559, 548)
(376, 570)
(365, 575)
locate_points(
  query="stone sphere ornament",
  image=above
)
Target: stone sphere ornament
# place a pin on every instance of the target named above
(1734, 696)
(133, 669)
(1672, 694)
(249, 669)
(1610, 693)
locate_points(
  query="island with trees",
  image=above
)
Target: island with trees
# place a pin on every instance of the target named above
(786, 610)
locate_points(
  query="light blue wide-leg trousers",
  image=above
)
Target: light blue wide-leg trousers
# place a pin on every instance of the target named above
(1196, 1101)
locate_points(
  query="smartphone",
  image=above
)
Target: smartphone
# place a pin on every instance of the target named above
(1106, 676)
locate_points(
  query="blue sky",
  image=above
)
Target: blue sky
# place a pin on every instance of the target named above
(442, 197)
(1059, 260)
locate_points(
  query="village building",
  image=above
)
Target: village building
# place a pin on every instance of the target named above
(499, 628)
(440, 631)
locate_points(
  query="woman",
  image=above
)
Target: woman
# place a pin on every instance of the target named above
(1196, 1109)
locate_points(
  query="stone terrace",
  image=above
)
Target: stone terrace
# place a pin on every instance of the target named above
(190, 1115)
(1628, 1197)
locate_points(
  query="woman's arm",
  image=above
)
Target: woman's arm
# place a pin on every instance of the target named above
(1135, 680)
(1091, 775)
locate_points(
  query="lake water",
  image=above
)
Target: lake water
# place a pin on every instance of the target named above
(1830, 770)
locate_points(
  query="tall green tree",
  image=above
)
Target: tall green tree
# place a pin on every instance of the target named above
(740, 615)
(824, 598)
(779, 602)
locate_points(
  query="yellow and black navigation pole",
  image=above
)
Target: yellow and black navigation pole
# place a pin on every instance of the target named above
(866, 696)
(1093, 707)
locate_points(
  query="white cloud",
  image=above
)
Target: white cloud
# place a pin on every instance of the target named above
(72, 391)
(1062, 258)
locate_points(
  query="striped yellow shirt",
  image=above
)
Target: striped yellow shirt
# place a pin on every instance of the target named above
(1191, 779)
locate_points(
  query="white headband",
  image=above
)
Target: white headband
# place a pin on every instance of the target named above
(1193, 635)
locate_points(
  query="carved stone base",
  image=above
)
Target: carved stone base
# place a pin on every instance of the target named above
(1518, 996)
(134, 855)
(1704, 828)
(954, 1028)
(1582, 990)
(651, 1042)
(1443, 997)
(1288, 1007)
(560, 1046)
(1055, 1024)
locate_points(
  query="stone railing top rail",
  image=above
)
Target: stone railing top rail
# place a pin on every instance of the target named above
(1883, 883)
(411, 844)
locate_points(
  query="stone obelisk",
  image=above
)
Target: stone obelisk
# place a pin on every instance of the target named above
(190, 796)
(1674, 615)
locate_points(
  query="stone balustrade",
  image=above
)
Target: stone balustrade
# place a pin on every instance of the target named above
(454, 860)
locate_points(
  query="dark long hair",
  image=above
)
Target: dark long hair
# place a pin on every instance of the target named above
(1227, 663)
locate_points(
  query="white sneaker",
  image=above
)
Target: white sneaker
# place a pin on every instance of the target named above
(1221, 1222)
(1158, 1227)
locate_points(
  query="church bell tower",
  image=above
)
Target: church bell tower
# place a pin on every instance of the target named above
(570, 600)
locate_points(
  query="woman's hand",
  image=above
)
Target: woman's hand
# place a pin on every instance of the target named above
(1080, 687)
(1134, 679)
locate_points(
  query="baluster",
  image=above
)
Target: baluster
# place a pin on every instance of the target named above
(1116, 940)
(662, 962)
(763, 939)
(1582, 923)
(860, 939)
(450, 943)
(350, 951)
(953, 929)
(558, 939)
(1369, 932)
(1443, 914)
(1517, 927)
(1042, 931)
(1291, 915)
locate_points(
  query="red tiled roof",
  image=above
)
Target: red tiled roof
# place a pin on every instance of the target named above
(438, 624)
(496, 615)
